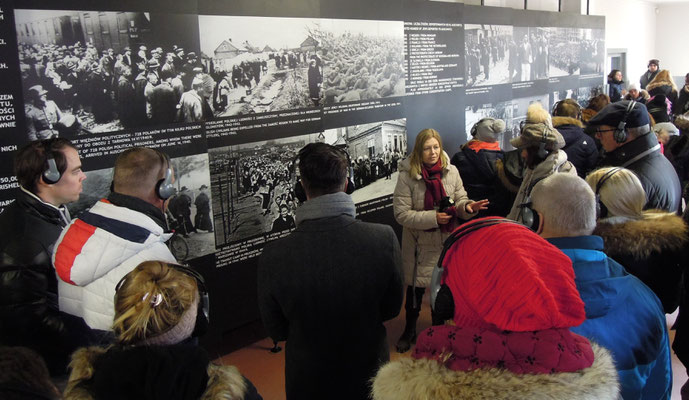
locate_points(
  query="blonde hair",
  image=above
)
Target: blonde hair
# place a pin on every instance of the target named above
(664, 77)
(621, 192)
(151, 300)
(416, 159)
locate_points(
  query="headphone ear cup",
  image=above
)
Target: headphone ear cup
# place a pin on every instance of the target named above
(51, 175)
(530, 218)
(164, 187)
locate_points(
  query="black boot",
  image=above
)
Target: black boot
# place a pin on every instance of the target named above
(412, 307)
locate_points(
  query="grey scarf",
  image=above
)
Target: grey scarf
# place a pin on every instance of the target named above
(328, 205)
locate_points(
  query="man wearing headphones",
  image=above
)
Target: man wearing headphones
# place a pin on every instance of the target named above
(580, 148)
(623, 129)
(49, 175)
(118, 233)
(328, 286)
(622, 314)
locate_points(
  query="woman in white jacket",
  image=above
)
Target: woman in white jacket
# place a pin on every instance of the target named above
(428, 200)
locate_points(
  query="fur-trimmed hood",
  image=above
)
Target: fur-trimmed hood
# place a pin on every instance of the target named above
(224, 382)
(682, 122)
(560, 121)
(410, 379)
(642, 93)
(656, 83)
(657, 231)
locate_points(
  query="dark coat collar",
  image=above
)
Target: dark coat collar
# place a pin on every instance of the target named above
(136, 204)
(38, 208)
(629, 150)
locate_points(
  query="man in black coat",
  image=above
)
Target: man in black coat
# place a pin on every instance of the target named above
(29, 314)
(653, 69)
(328, 286)
(635, 147)
(580, 148)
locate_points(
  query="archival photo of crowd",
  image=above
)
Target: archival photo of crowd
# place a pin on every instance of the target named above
(263, 64)
(592, 51)
(587, 93)
(90, 71)
(491, 55)
(500, 110)
(363, 59)
(374, 150)
(253, 187)
(188, 213)
(563, 50)
(266, 64)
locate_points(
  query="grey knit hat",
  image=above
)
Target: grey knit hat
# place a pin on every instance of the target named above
(487, 129)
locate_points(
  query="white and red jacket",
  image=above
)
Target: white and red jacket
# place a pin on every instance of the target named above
(96, 250)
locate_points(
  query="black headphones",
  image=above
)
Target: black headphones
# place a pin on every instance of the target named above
(572, 102)
(620, 134)
(602, 209)
(51, 175)
(164, 187)
(203, 313)
(299, 191)
(459, 233)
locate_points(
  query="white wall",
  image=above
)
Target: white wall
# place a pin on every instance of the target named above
(671, 46)
(630, 25)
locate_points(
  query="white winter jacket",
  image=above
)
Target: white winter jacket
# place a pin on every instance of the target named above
(96, 250)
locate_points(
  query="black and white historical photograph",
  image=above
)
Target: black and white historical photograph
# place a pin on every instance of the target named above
(519, 107)
(530, 46)
(564, 50)
(501, 110)
(592, 51)
(490, 54)
(91, 71)
(374, 150)
(266, 64)
(253, 183)
(559, 95)
(584, 94)
(188, 213)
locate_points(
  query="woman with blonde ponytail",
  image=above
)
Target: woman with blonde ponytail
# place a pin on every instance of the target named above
(650, 244)
(155, 355)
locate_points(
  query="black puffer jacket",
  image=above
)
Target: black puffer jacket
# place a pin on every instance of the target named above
(580, 148)
(657, 175)
(28, 286)
(480, 179)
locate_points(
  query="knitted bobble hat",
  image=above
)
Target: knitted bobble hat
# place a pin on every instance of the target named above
(488, 129)
(506, 277)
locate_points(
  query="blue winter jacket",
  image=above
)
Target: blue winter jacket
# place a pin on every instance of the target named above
(622, 315)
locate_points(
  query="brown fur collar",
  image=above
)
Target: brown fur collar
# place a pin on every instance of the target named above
(407, 379)
(559, 121)
(657, 231)
(224, 382)
(655, 83)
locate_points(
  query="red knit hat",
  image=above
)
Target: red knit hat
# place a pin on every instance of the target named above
(506, 276)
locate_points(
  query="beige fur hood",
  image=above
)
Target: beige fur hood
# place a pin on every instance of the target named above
(559, 121)
(657, 231)
(410, 379)
(224, 382)
(655, 83)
